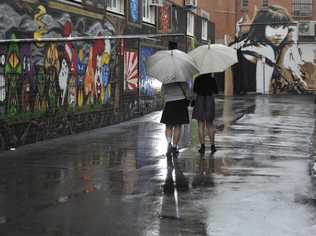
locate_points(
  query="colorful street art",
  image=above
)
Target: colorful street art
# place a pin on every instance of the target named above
(43, 76)
(164, 18)
(134, 11)
(269, 49)
(146, 83)
(58, 87)
(2, 82)
(131, 70)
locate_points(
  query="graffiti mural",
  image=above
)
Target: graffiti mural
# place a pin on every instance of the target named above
(146, 83)
(26, 77)
(165, 18)
(2, 82)
(12, 72)
(134, 15)
(51, 88)
(269, 50)
(44, 76)
(131, 70)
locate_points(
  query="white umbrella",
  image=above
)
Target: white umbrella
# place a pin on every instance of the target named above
(171, 66)
(214, 57)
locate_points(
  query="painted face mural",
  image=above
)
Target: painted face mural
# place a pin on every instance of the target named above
(276, 34)
(269, 50)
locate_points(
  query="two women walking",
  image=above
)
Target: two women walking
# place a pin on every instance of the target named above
(177, 97)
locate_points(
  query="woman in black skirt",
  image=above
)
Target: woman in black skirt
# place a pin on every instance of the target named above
(204, 108)
(175, 112)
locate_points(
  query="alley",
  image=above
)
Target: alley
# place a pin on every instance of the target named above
(111, 181)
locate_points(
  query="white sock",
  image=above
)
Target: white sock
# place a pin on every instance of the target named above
(168, 140)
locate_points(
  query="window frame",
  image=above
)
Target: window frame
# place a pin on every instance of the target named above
(149, 13)
(190, 24)
(204, 33)
(120, 6)
(299, 10)
(265, 3)
(244, 4)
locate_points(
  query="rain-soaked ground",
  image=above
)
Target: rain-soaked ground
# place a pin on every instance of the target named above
(116, 181)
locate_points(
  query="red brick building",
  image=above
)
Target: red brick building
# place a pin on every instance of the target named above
(226, 13)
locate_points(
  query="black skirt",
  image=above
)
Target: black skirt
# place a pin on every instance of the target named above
(175, 113)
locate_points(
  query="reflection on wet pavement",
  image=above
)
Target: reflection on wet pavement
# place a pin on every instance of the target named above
(117, 180)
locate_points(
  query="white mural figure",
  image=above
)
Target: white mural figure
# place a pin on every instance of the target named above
(268, 46)
(292, 57)
(63, 79)
(98, 80)
(105, 71)
(2, 81)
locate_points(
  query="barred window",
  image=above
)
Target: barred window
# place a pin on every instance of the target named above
(244, 4)
(302, 8)
(265, 3)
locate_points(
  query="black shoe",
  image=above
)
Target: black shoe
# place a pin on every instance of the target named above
(213, 149)
(169, 150)
(174, 151)
(202, 149)
(182, 184)
(168, 186)
(169, 161)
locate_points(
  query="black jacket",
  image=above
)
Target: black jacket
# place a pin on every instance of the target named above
(205, 85)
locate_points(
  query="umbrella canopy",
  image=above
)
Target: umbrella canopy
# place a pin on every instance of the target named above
(214, 58)
(170, 66)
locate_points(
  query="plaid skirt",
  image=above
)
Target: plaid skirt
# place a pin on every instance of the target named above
(175, 113)
(204, 108)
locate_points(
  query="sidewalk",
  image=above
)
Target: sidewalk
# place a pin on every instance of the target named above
(111, 181)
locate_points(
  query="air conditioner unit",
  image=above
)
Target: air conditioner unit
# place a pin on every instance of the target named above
(306, 28)
(158, 3)
(190, 3)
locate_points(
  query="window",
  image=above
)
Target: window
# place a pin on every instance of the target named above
(302, 8)
(74, 2)
(115, 6)
(265, 3)
(190, 24)
(205, 17)
(244, 4)
(204, 29)
(149, 12)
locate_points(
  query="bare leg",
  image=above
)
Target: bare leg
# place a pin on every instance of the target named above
(168, 133)
(211, 131)
(176, 135)
(201, 126)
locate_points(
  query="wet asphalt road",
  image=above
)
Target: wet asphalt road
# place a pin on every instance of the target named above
(116, 180)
